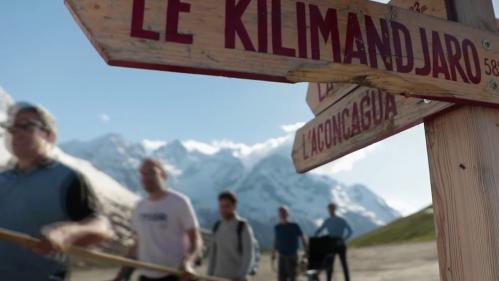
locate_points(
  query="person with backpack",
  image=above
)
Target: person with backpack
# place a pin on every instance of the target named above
(232, 254)
(286, 243)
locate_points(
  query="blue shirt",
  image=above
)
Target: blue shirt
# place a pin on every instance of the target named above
(337, 227)
(287, 238)
(29, 201)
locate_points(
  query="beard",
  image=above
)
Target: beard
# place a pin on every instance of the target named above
(150, 188)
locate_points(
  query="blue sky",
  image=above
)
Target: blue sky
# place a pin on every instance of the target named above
(45, 58)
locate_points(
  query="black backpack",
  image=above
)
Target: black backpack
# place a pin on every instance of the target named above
(255, 266)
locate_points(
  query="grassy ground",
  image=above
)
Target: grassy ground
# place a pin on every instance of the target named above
(413, 229)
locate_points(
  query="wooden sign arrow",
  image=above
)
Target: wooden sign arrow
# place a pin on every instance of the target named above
(399, 113)
(359, 119)
(322, 95)
(360, 42)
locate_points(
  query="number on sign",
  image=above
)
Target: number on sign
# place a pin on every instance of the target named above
(491, 67)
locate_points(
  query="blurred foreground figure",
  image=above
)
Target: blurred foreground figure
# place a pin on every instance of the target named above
(45, 199)
(166, 227)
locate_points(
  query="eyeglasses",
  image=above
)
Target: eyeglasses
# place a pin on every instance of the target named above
(25, 127)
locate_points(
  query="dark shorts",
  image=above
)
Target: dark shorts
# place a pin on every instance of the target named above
(287, 268)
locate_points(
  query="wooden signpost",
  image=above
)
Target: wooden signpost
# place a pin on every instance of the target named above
(351, 117)
(322, 95)
(360, 42)
(463, 155)
(359, 119)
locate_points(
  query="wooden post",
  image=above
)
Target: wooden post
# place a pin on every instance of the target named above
(463, 152)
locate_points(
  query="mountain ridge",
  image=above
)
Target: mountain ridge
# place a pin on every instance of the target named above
(267, 182)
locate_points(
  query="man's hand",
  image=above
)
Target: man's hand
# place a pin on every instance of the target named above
(60, 235)
(57, 238)
(187, 270)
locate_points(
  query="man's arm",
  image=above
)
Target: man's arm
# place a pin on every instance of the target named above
(321, 228)
(195, 248)
(190, 224)
(86, 226)
(248, 251)
(302, 237)
(89, 232)
(349, 231)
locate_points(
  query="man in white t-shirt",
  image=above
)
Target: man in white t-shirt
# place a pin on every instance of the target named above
(167, 231)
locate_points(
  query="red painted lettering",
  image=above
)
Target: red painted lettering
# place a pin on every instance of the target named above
(454, 55)
(426, 69)
(468, 47)
(377, 43)
(234, 24)
(262, 26)
(328, 131)
(314, 142)
(320, 133)
(304, 149)
(328, 27)
(397, 29)
(337, 129)
(355, 120)
(172, 20)
(390, 106)
(439, 62)
(354, 40)
(346, 130)
(137, 29)
(364, 113)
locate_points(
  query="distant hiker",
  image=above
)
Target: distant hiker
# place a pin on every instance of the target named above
(43, 198)
(340, 231)
(232, 252)
(286, 243)
(166, 227)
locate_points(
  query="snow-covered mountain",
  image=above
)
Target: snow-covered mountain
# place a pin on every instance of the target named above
(5, 102)
(262, 176)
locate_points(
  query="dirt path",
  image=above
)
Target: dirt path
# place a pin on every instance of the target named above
(390, 263)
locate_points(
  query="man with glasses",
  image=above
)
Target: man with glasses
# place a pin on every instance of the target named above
(43, 198)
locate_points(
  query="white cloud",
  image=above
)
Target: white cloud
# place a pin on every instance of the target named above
(291, 128)
(104, 118)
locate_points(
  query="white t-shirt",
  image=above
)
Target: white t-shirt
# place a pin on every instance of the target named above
(161, 228)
